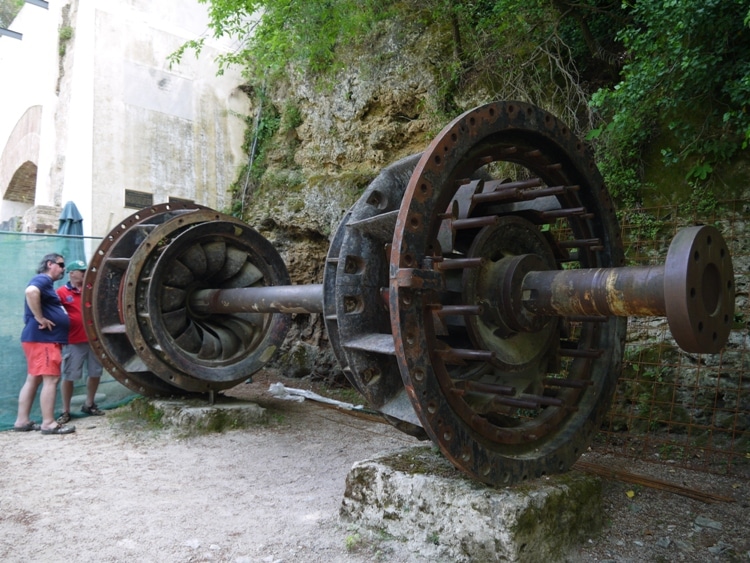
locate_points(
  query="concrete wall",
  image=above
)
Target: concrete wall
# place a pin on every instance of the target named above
(114, 116)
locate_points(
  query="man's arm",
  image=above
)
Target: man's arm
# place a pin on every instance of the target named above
(34, 301)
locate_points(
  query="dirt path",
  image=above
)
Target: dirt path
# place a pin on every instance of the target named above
(265, 494)
(271, 494)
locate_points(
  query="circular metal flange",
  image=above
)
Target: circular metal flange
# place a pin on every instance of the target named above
(207, 250)
(699, 290)
(103, 313)
(502, 421)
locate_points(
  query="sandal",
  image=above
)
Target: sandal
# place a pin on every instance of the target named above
(59, 430)
(63, 418)
(27, 427)
(93, 410)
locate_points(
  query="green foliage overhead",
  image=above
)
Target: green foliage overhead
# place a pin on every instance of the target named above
(516, 49)
(686, 84)
(277, 34)
(9, 10)
(670, 74)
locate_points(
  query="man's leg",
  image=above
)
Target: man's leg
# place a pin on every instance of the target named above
(26, 399)
(95, 371)
(71, 369)
(92, 384)
(47, 400)
(66, 388)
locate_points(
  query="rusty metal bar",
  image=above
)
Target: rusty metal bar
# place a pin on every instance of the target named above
(622, 292)
(271, 299)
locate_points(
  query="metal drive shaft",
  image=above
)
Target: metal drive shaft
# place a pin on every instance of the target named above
(262, 299)
(694, 289)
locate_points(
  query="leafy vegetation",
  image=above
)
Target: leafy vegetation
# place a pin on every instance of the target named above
(663, 77)
(685, 86)
(9, 10)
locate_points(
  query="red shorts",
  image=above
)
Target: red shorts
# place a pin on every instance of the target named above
(43, 358)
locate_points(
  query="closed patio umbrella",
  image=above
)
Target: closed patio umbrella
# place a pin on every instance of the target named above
(71, 226)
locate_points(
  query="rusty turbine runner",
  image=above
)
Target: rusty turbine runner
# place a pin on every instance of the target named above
(475, 294)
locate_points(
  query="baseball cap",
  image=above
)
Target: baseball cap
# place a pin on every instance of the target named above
(76, 265)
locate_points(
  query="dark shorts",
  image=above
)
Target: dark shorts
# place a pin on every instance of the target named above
(43, 358)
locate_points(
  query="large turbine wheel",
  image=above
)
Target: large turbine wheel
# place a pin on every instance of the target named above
(357, 322)
(173, 256)
(506, 395)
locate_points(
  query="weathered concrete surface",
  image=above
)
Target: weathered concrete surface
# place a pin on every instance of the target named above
(204, 417)
(417, 495)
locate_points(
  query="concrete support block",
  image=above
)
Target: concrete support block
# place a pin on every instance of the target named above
(210, 418)
(416, 495)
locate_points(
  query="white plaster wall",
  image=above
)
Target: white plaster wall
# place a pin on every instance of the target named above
(28, 71)
(166, 131)
(123, 119)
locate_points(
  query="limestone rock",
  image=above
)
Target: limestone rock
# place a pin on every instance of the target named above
(416, 495)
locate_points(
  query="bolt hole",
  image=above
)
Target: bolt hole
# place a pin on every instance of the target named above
(354, 265)
(438, 160)
(419, 376)
(714, 337)
(708, 240)
(414, 223)
(692, 292)
(472, 121)
(431, 408)
(697, 256)
(377, 200)
(408, 259)
(353, 304)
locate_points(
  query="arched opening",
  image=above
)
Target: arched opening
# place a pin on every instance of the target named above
(19, 197)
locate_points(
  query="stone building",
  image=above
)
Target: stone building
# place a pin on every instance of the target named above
(92, 113)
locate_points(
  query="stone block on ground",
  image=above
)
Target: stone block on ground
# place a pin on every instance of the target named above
(416, 495)
(209, 418)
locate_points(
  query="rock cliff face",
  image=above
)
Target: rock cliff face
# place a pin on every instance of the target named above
(342, 135)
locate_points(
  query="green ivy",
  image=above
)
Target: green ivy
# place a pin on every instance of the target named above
(686, 83)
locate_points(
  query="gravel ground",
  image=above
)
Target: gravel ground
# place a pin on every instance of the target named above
(116, 492)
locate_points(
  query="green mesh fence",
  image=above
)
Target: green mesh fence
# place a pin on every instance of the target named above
(20, 254)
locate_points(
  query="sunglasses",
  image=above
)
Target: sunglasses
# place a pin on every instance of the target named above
(61, 264)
